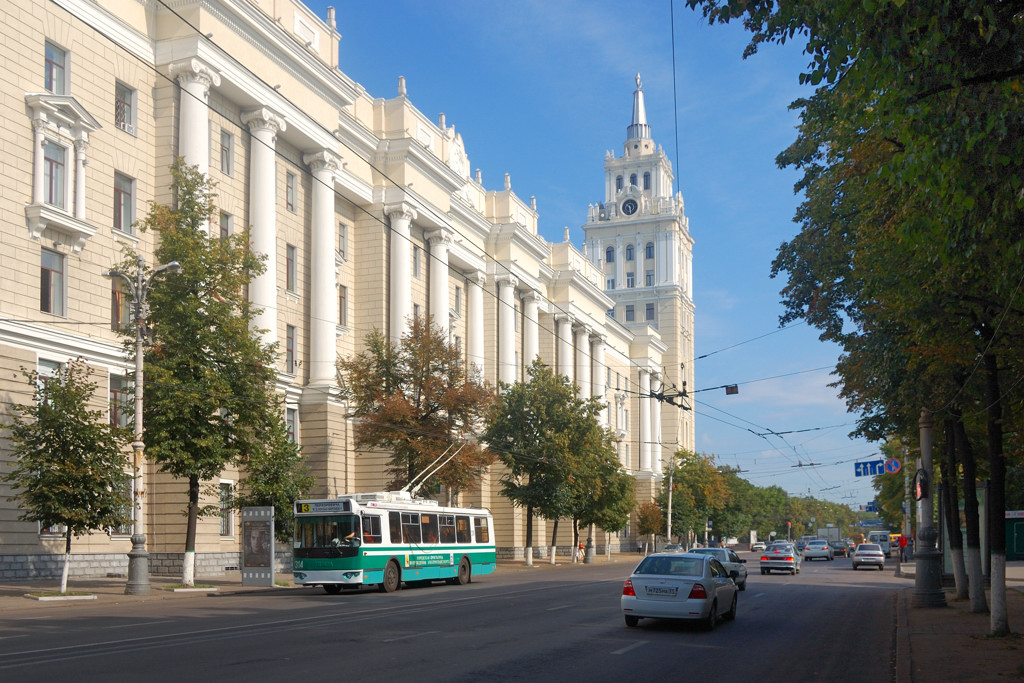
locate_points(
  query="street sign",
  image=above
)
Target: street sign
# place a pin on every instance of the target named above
(892, 465)
(869, 469)
(872, 506)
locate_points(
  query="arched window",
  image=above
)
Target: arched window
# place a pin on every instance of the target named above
(618, 183)
(609, 255)
(647, 181)
(649, 250)
(632, 179)
(629, 252)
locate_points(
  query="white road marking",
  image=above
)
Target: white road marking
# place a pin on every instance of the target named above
(626, 649)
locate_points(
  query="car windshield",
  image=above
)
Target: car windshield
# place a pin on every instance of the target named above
(714, 552)
(670, 566)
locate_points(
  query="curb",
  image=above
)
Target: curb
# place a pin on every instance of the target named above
(904, 654)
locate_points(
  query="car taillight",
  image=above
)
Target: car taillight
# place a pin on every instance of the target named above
(788, 559)
(698, 592)
(627, 588)
(764, 558)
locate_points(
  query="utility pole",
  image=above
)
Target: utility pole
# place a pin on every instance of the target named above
(928, 560)
(138, 287)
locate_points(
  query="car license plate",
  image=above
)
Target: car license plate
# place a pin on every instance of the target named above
(662, 590)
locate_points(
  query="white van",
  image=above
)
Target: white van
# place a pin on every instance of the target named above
(882, 539)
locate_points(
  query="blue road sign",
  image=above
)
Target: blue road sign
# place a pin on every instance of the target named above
(892, 465)
(869, 469)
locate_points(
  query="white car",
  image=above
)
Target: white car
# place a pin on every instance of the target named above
(730, 560)
(818, 548)
(757, 546)
(869, 554)
(679, 586)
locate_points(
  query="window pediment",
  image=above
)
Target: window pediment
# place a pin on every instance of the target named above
(62, 114)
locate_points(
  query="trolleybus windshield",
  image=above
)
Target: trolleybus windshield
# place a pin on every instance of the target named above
(326, 536)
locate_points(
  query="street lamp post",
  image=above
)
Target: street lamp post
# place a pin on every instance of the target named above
(138, 558)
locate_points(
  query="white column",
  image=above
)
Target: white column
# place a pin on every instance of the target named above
(531, 327)
(583, 361)
(475, 327)
(439, 241)
(38, 177)
(323, 299)
(264, 125)
(656, 408)
(563, 331)
(195, 78)
(507, 328)
(645, 420)
(600, 375)
(400, 296)
(80, 147)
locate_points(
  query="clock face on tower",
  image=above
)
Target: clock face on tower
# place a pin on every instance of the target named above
(629, 207)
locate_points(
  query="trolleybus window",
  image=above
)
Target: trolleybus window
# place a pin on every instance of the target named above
(371, 529)
(395, 527)
(325, 536)
(480, 525)
(429, 525)
(447, 523)
(462, 529)
(411, 527)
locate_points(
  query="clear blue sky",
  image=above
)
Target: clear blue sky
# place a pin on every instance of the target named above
(541, 89)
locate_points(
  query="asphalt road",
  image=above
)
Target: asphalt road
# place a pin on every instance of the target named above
(826, 623)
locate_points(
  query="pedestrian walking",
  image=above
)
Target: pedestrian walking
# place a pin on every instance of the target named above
(639, 547)
(903, 548)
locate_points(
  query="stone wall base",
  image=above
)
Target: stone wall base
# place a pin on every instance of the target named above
(48, 566)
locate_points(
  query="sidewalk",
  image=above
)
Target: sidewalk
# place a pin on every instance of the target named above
(932, 643)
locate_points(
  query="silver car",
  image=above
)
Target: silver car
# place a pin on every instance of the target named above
(782, 557)
(869, 555)
(730, 560)
(679, 586)
(818, 548)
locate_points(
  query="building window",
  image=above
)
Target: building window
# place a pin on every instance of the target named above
(609, 283)
(649, 312)
(226, 224)
(343, 305)
(289, 350)
(649, 278)
(458, 300)
(609, 255)
(649, 250)
(630, 280)
(647, 181)
(458, 344)
(122, 402)
(291, 420)
(120, 305)
(51, 283)
(54, 170)
(342, 240)
(610, 313)
(415, 311)
(290, 191)
(290, 268)
(227, 501)
(629, 252)
(618, 183)
(630, 313)
(56, 69)
(632, 179)
(124, 108)
(415, 261)
(124, 203)
(227, 152)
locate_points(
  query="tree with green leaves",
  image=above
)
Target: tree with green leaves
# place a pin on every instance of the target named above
(650, 520)
(209, 376)
(417, 399)
(912, 148)
(698, 490)
(552, 445)
(71, 462)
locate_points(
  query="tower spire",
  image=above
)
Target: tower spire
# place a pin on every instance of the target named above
(638, 128)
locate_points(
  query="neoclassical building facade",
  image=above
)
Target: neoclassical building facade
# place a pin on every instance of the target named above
(369, 215)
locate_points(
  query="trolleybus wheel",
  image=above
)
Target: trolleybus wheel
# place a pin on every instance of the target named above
(464, 575)
(332, 588)
(392, 578)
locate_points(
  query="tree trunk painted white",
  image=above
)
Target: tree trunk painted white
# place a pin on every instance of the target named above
(976, 581)
(554, 549)
(188, 569)
(999, 620)
(529, 556)
(64, 573)
(959, 573)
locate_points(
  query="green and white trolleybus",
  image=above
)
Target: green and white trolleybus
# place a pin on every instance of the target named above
(386, 538)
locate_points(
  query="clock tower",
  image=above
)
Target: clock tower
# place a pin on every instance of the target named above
(639, 237)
